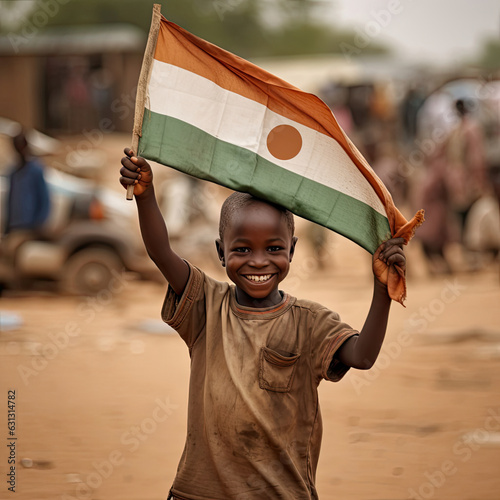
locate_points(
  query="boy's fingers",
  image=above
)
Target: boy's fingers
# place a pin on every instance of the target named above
(395, 241)
(126, 181)
(140, 162)
(133, 162)
(391, 251)
(130, 174)
(390, 246)
(128, 164)
(393, 255)
(391, 242)
(396, 258)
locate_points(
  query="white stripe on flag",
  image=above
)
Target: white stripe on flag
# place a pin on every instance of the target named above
(245, 123)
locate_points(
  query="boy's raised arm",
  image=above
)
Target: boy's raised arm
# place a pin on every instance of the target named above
(362, 351)
(137, 171)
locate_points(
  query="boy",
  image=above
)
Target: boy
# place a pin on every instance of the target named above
(257, 354)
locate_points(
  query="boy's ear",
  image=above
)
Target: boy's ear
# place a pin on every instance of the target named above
(220, 251)
(292, 248)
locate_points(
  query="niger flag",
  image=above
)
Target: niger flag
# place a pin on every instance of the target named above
(216, 116)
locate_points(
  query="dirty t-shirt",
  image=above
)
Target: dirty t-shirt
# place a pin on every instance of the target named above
(254, 424)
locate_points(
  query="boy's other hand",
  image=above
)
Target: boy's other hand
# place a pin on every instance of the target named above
(137, 171)
(388, 259)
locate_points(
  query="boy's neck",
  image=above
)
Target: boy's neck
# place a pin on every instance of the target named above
(245, 300)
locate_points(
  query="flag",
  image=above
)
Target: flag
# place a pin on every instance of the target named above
(213, 115)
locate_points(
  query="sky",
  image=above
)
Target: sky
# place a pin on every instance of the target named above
(439, 31)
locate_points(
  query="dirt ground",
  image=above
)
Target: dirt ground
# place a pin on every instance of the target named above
(101, 389)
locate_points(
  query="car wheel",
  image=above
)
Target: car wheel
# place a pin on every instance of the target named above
(90, 270)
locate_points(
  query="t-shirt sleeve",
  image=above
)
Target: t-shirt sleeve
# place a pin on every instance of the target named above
(187, 313)
(329, 333)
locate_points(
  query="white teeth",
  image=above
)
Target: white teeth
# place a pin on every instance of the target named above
(259, 278)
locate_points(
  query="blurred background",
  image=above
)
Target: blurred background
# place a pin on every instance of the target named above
(101, 382)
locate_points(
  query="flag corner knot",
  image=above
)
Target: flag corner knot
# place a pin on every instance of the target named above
(407, 231)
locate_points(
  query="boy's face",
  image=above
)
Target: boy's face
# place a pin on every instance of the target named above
(257, 250)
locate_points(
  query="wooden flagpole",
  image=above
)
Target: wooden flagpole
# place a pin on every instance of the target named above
(142, 86)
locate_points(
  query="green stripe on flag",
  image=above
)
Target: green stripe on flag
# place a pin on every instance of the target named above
(190, 150)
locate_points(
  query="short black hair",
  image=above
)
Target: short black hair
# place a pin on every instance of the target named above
(239, 200)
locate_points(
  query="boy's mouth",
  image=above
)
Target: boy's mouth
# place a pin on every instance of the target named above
(258, 278)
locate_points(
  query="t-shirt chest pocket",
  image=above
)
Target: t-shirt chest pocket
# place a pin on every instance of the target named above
(276, 370)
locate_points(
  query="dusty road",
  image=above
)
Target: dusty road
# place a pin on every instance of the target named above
(101, 390)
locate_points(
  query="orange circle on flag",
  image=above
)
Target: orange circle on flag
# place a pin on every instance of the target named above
(284, 142)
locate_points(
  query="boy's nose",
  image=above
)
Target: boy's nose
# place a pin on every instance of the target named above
(259, 260)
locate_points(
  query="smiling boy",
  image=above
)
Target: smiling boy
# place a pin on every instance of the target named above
(255, 245)
(257, 353)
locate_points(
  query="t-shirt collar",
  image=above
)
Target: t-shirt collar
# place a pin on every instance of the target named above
(261, 312)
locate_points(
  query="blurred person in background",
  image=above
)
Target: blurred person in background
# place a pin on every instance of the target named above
(410, 106)
(438, 230)
(386, 164)
(381, 105)
(28, 200)
(436, 115)
(466, 166)
(336, 97)
(482, 228)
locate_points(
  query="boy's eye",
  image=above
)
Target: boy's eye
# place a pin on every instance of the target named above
(241, 250)
(275, 248)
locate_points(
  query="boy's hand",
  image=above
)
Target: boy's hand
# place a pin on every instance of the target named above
(389, 255)
(135, 170)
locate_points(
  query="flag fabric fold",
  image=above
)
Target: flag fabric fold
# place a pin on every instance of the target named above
(218, 117)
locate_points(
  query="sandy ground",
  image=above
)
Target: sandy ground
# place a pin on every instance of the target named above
(101, 389)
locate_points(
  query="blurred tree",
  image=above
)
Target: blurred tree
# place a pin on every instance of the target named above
(250, 28)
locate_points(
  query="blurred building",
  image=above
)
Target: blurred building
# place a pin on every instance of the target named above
(71, 79)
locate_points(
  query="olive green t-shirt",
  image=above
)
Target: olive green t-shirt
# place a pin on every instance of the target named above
(254, 423)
